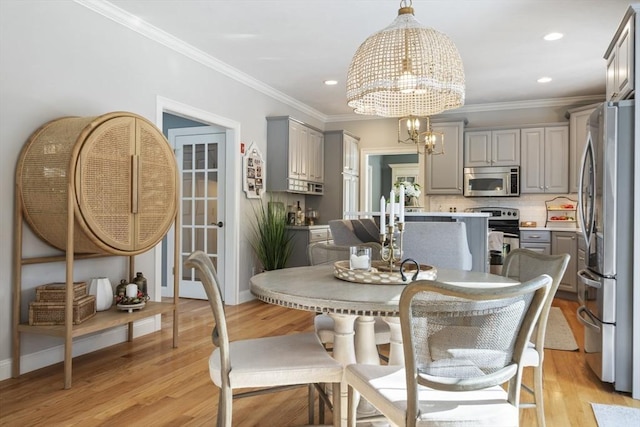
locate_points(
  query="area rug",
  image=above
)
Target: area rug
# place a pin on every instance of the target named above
(559, 335)
(615, 415)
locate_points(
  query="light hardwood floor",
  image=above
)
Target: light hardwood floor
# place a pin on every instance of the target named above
(148, 383)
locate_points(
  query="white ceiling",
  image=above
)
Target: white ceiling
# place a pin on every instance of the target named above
(294, 45)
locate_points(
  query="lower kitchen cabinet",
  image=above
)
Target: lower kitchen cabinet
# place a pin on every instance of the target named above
(301, 237)
(536, 240)
(566, 242)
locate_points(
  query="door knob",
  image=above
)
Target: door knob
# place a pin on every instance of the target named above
(219, 224)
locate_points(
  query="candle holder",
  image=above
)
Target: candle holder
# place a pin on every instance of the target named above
(394, 251)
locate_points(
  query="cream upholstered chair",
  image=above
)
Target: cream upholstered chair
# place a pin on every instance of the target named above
(460, 345)
(276, 362)
(441, 244)
(326, 253)
(522, 265)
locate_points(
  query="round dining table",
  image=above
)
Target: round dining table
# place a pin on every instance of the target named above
(353, 307)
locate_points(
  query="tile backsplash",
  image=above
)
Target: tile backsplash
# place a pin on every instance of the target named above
(532, 206)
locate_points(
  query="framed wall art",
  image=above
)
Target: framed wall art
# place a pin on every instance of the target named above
(253, 168)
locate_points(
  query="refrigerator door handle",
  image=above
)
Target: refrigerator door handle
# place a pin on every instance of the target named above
(591, 323)
(587, 227)
(586, 278)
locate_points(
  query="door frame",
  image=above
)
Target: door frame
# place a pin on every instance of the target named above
(232, 191)
(366, 203)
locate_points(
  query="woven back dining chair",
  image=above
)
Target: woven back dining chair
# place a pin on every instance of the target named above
(522, 265)
(461, 344)
(270, 363)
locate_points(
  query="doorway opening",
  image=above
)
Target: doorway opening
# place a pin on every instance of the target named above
(208, 197)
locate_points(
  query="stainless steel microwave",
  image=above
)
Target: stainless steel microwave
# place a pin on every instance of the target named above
(492, 181)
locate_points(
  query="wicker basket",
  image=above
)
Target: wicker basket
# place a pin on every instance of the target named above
(52, 313)
(122, 175)
(56, 292)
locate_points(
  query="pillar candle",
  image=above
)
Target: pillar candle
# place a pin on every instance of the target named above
(392, 207)
(132, 290)
(401, 213)
(382, 215)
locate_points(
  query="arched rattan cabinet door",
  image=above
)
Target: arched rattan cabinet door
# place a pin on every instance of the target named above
(157, 186)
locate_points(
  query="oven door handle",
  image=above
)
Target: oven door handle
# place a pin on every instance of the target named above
(591, 323)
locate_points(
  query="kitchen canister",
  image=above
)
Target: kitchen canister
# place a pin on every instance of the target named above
(101, 288)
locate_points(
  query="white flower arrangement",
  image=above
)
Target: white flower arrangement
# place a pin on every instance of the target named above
(411, 189)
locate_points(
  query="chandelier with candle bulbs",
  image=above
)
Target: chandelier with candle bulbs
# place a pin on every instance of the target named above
(418, 131)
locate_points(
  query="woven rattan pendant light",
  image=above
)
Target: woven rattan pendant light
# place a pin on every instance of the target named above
(405, 70)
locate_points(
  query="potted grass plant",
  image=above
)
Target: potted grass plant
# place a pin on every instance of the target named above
(271, 242)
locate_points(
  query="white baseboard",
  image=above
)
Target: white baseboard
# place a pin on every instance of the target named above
(245, 296)
(83, 345)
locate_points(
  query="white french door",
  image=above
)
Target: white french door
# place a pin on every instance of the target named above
(200, 153)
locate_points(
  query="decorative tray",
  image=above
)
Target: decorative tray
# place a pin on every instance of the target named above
(380, 274)
(131, 307)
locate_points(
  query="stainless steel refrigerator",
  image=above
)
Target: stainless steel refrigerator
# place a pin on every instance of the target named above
(605, 202)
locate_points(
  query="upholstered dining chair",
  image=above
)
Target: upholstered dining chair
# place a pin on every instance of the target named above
(270, 363)
(320, 253)
(522, 265)
(460, 345)
(441, 244)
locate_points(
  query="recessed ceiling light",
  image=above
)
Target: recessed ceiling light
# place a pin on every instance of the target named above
(331, 82)
(553, 36)
(544, 79)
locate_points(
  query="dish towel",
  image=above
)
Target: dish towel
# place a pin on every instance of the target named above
(496, 238)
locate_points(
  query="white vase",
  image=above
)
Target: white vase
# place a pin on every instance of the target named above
(101, 288)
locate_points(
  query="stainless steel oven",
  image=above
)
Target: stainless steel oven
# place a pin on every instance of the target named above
(506, 221)
(492, 181)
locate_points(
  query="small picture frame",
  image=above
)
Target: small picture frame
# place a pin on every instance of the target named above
(253, 168)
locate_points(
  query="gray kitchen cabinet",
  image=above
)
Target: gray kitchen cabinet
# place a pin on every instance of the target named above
(620, 60)
(301, 236)
(341, 178)
(545, 160)
(536, 240)
(444, 172)
(492, 148)
(295, 156)
(578, 118)
(566, 242)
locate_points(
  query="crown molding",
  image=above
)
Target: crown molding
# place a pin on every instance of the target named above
(122, 17)
(494, 106)
(134, 23)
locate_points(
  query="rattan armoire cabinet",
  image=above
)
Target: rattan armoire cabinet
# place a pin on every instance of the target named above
(94, 187)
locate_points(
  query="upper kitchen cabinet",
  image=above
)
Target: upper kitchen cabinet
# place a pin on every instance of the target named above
(350, 153)
(342, 181)
(295, 156)
(620, 60)
(545, 156)
(444, 172)
(578, 118)
(492, 148)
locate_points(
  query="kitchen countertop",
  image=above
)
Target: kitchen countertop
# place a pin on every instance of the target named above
(577, 230)
(307, 227)
(432, 214)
